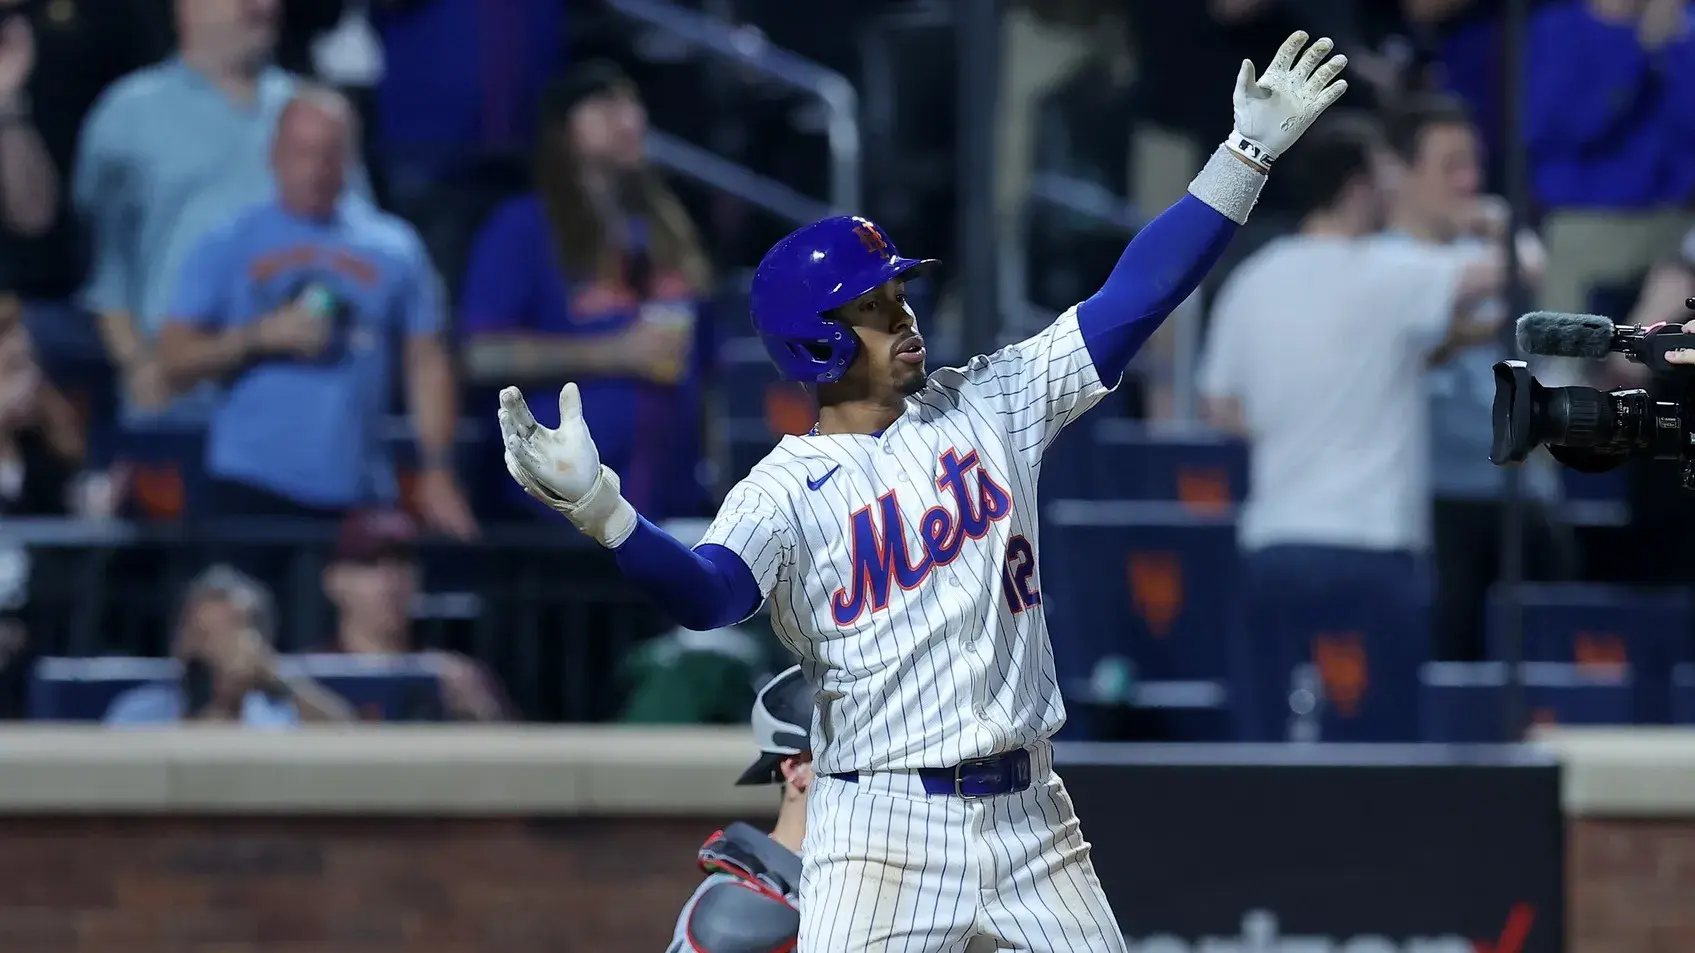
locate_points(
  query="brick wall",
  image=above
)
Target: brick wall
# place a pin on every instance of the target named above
(1631, 886)
(341, 885)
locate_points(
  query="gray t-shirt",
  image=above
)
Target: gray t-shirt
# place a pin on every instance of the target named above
(1324, 342)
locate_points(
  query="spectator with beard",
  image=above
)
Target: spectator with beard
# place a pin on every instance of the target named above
(597, 277)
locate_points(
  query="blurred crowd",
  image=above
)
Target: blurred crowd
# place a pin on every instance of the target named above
(266, 260)
(1382, 307)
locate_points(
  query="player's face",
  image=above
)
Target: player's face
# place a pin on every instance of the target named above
(891, 351)
(1445, 175)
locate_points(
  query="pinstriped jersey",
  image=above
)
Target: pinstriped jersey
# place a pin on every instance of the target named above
(901, 567)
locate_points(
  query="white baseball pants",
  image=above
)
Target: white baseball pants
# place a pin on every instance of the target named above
(888, 868)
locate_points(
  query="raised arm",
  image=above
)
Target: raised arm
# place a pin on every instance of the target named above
(712, 585)
(1166, 261)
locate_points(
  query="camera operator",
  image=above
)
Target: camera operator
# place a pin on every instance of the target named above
(1662, 514)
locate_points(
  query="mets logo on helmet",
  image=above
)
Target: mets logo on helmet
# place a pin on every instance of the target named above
(872, 239)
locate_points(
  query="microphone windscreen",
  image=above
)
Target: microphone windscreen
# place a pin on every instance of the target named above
(1565, 335)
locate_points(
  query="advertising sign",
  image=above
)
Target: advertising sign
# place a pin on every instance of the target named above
(1326, 857)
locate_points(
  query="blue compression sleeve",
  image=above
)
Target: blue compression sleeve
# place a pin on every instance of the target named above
(1162, 265)
(703, 588)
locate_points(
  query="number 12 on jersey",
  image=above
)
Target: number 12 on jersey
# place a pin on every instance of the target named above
(1016, 574)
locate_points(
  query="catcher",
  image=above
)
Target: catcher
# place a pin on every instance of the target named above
(750, 900)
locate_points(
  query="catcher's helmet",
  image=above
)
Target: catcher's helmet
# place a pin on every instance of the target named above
(818, 267)
(782, 721)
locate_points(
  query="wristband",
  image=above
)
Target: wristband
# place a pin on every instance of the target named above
(1227, 185)
(1251, 150)
(602, 513)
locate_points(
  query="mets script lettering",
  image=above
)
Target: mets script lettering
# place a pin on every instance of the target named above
(881, 557)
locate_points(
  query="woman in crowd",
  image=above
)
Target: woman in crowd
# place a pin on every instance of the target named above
(597, 276)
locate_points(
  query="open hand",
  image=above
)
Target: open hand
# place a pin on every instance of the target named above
(554, 466)
(1273, 110)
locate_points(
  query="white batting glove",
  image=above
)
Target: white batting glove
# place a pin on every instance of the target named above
(1273, 110)
(562, 467)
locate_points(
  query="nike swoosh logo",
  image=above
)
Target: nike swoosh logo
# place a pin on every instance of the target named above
(818, 484)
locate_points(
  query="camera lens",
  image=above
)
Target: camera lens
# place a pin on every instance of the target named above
(1572, 416)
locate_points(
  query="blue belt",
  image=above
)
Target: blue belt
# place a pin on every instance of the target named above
(983, 777)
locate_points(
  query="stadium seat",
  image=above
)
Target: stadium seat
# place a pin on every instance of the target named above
(1465, 702)
(1683, 694)
(1604, 625)
(1357, 661)
(1203, 471)
(381, 688)
(1148, 584)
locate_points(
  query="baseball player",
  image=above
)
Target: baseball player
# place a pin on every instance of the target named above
(750, 898)
(749, 901)
(897, 545)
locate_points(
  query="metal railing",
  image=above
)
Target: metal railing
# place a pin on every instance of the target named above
(540, 605)
(747, 47)
(715, 171)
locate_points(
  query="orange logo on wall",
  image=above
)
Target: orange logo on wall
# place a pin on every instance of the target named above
(1342, 669)
(1203, 489)
(788, 411)
(1599, 650)
(1156, 589)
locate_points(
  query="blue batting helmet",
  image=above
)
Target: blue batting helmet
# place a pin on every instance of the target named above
(816, 268)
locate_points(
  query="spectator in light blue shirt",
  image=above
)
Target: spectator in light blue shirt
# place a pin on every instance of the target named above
(298, 307)
(166, 154)
(1438, 204)
(223, 639)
